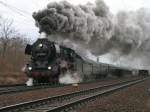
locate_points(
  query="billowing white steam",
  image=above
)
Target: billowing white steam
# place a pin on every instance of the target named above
(70, 78)
(42, 35)
(29, 82)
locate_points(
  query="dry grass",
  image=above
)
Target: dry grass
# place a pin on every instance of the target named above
(12, 78)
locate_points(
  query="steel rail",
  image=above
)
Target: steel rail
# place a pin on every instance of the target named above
(12, 85)
(23, 88)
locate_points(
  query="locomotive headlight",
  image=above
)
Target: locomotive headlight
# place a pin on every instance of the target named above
(40, 45)
(49, 68)
(30, 68)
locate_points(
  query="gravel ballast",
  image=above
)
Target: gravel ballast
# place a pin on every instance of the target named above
(133, 99)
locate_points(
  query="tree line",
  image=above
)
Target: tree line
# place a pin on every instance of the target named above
(12, 45)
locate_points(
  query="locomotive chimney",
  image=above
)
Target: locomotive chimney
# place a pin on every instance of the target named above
(42, 35)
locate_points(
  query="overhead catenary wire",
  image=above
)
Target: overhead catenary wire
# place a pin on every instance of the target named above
(18, 11)
(22, 12)
(27, 17)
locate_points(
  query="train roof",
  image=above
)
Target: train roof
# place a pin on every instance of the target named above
(71, 51)
(86, 60)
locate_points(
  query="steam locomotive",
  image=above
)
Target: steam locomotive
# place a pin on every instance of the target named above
(49, 60)
(43, 66)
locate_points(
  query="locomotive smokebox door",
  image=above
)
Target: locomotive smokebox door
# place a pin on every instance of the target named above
(28, 49)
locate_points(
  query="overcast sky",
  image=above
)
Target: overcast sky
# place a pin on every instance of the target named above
(24, 22)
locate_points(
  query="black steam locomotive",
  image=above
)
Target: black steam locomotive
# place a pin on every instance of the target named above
(48, 61)
(43, 66)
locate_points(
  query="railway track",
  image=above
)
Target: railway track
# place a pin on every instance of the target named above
(70, 101)
(8, 89)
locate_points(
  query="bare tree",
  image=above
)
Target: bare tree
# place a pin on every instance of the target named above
(6, 33)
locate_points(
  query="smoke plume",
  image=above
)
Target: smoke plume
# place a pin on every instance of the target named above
(123, 37)
(88, 25)
(131, 38)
